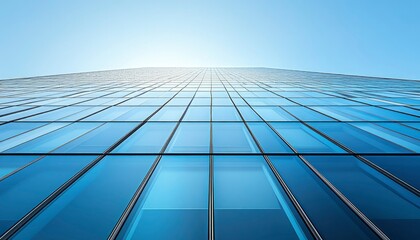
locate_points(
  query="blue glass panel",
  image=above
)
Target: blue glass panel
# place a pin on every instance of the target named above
(305, 140)
(247, 194)
(232, 138)
(405, 168)
(150, 138)
(55, 139)
(225, 114)
(392, 136)
(248, 114)
(414, 133)
(25, 189)
(122, 114)
(13, 129)
(331, 217)
(168, 114)
(26, 113)
(174, 204)
(268, 139)
(190, 137)
(197, 114)
(306, 114)
(221, 102)
(394, 209)
(97, 140)
(274, 114)
(357, 139)
(9, 164)
(100, 196)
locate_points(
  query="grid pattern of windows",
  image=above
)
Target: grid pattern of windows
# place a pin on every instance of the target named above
(183, 153)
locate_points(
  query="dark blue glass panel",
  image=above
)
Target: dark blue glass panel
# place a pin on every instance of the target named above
(331, 217)
(25, 189)
(192, 137)
(174, 204)
(268, 139)
(9, 164)
(99, 198)
(394, 209)
(405, 168)
(150, 138)
(248, 195)
(358, 140)
(232, 138)
(99, 139)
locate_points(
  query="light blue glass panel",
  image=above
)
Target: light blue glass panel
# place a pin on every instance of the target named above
(174, 204)
(26, 113)
(197, 114)
(99, 198)
(392, 136)
(268, 139)
(358, 140)
(248, 114)
(55, 139)
(56, 114)
(394, 209)
(25, 189)
(306, 114)
(247, 194)
(274, 114)
(29, 135)
(222, 102)
(225, 114)
(150, 138)
(414, 133)
(305, 140)
(123, 114)
(190, 137)
(232, 138)
(12, 129)
(405, 168)
(168, 114)
(99, 139)
(9, 164)
(201, 101)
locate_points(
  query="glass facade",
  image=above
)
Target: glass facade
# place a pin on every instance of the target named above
(209, 153)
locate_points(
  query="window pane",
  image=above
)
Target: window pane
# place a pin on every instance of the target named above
(12, 129)
(357, 139)
(232, 138)
(190, 138)
(94, 196)
(25, 189)
(55, 139)
(9, 164)
(225, 114)
(247, 194)
(197, 114)
(97, 140)
(175, 202)
(268, 139)
(405, 168)
(168, 114)
(274, 114)
(304, 140)
(150, 138)
(394, 209)
(331, 217)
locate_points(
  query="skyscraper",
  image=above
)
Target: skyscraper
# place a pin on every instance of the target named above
(216, 153)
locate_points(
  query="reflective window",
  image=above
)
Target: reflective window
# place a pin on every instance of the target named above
(245, 190)
(190, 138)
(197, 114)
(274, 114)
(175, 202)
(8, 164)
(394, 209)
(150, 138)
(225, 114)
(305, 140)
(232, 137)
(93, 196)
(25, 189)
(331, 217)
(268, 139)
(168, 114)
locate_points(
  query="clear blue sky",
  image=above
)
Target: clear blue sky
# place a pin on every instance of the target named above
(364, 37)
